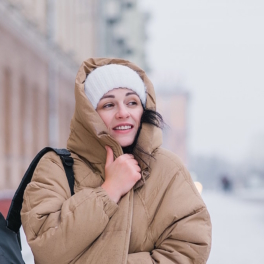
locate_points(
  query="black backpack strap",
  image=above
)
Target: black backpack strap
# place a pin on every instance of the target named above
(13, 218)
(67, 162)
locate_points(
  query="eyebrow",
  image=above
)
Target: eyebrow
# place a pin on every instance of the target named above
(131, 93)
(112, 96)
(107, 96)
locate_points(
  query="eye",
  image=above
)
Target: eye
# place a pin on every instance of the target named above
(108, 105)
(132, 103)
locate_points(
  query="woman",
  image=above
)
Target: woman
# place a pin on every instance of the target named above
(134, 202)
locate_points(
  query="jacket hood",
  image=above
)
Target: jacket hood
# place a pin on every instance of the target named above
(89, 135)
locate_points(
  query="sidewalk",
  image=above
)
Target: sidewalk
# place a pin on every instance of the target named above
(254, 195)
(238, 229)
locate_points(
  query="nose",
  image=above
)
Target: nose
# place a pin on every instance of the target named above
(122, 112)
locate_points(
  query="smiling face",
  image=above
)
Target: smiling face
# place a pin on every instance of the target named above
(121, 111)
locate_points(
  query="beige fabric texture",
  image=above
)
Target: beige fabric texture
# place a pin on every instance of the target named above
(163, 219)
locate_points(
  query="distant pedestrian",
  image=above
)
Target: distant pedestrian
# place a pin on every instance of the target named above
(226, 183)
(134, 201)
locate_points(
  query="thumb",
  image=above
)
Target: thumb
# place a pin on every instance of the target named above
(109, 156)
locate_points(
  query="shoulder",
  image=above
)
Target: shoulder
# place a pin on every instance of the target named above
(84, 173)
(173, 186)
(169, 170)
(50, 157)
(49, 174)
(50, 165)
(166, 162)
(48, 161)
(168, 158)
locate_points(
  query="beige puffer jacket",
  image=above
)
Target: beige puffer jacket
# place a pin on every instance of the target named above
(162, 220)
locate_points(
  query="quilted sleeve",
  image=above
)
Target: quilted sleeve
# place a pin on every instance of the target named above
(58, 226)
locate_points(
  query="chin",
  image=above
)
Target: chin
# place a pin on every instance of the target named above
(126, 143)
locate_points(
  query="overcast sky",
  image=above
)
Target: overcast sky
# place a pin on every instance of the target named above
(216, 49)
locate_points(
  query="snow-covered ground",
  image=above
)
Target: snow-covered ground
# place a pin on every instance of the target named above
(26, 251)
(238, 230)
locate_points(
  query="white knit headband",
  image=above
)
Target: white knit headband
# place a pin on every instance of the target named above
(111, 76)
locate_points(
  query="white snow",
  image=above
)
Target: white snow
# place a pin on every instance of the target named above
(238, 229)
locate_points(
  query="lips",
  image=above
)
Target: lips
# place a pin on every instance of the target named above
(123, 127)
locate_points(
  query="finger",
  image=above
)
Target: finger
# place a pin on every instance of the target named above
(133, 161)
(109, 156)
(137, 168)
(130, 156)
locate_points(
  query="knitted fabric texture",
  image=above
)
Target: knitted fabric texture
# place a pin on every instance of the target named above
(111, 76)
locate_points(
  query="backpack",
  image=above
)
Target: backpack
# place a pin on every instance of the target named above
(10, 243)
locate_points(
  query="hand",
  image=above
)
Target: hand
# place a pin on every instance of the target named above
(120, 174)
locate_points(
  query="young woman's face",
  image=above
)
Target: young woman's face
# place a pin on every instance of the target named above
(121, 111)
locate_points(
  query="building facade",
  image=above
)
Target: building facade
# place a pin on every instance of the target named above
(122, 30)
(25, 90)
(42, 44)
(173, 106)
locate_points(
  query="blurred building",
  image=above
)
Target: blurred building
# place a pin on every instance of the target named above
(122, 28)
(42, 44)
(173, 106)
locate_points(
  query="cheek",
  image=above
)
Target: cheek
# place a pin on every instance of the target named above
(138, 116)
(105, 117)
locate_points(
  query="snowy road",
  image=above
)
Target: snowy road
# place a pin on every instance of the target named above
(238, 230)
